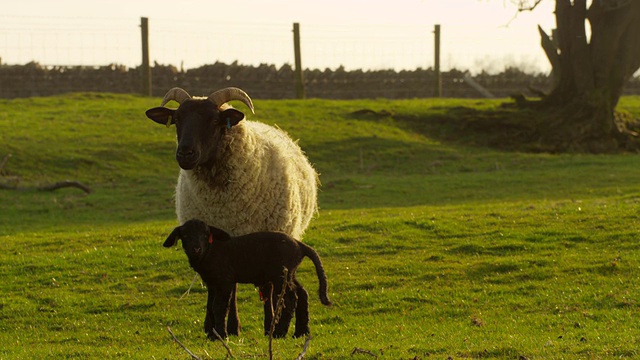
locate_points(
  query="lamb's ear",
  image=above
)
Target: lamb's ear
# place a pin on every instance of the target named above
(161, 115)
(173, 238)
(231, 117)
(218, 234)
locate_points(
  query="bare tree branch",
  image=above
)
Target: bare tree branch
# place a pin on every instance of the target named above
(50, 187)
(8, 187)
(67, 183)
(524, 5)
(4, 162)
(304, 349)
(184, 347)
(357, 350)
(278, 312)
(224, 343)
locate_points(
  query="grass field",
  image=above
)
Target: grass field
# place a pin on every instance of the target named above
(437, 243)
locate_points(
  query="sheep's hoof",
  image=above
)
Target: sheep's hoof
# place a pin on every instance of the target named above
(278, 335)
(233, 331)
(233, 326)
(298, 334)
(212, 336)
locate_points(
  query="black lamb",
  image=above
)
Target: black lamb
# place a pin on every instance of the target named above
(257, 258)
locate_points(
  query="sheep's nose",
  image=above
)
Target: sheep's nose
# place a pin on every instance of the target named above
(187, 158)
(185, 153)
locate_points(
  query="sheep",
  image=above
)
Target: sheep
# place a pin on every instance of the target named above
(241, 175)
(257, 258)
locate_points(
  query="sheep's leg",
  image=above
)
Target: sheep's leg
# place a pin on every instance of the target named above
(220, 309)
(266, 295)
(209, 320)
(302, 311)
(233, 323)
(287, 312)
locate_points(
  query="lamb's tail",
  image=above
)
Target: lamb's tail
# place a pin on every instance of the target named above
(322, 277)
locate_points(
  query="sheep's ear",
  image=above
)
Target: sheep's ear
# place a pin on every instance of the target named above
(231, 117)
(218, 234)
(173, 238)
(161, 115)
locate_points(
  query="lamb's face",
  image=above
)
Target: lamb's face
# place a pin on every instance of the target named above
(200, 126)
(195, 237)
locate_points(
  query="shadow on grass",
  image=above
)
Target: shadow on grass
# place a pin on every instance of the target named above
(458, 155)
(503, 128)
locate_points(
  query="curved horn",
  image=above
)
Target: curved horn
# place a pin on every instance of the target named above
(177, 94)
(231, 93)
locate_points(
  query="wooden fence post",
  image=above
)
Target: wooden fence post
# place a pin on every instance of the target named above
(298, 59)
(436, 67)
(146, 67)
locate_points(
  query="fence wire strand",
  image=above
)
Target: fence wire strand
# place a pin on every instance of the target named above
(101, 41)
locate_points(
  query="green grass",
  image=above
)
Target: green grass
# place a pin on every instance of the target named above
(437, 244)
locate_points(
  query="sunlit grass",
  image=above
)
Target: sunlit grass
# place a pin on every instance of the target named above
(433, 248)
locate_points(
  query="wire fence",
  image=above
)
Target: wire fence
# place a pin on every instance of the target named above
(340, 61)
(69, 41)
(53, 41)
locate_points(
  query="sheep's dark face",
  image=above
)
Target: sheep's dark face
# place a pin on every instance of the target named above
(195, 236)
(200, 127)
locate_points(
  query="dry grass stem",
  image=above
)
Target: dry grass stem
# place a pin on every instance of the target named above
(278, 312)
(195, 277)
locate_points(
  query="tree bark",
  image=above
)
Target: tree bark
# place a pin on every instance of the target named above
(615, 45)
(591, 73)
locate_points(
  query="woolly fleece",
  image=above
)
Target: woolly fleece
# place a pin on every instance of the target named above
(262, 182)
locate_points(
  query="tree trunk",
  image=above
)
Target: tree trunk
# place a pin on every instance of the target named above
(591, 73)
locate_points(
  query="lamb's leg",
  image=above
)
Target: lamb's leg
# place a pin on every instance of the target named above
(302, 311)
(233, 323)
(220, 309)
(266, 295)
(209, 320)
(287, 312)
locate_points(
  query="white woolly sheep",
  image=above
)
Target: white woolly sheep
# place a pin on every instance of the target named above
(243, 176)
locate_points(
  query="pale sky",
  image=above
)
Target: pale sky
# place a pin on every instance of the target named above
(479, 34)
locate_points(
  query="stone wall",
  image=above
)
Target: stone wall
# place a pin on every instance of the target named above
(266, 81)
